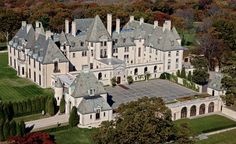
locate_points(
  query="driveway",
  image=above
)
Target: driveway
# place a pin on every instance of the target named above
(169, 91)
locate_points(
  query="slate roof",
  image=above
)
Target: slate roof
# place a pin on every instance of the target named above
(84, 82)
(58, 83)
(97, 30)
(89, 104)
(82, 25)
(215, 81)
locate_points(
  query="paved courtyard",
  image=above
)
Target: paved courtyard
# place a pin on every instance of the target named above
(152, 88)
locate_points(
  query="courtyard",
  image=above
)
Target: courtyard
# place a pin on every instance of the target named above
(153, 88)
(14, 88)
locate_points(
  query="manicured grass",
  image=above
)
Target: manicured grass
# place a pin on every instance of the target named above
(228, 137)
(31, 117)
(13, 88)
(73, 136)
(207, 124)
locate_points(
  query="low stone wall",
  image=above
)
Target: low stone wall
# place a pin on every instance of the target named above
(229, 112)
(186, 82)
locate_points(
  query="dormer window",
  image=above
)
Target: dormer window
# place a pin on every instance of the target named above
(81, 43)
(91, 92)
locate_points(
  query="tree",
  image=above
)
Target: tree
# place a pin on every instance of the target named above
(130, 79)
(146, 120)
(199, 63)
(183, 73)
(6, 129)
(22, 128)
(18, 129)
(74, 117)
(113, 81)
(229, 99)
(1, 130)
(62, 105)
(200, 76)
(178, 73)
(51, 106)
(12, 128)
(189, 76)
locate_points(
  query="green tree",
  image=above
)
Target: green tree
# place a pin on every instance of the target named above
(229, 99)
(22, 128)
(1, 130)
(51, 106)
(62, 105)
(189, 76)
(2, 114)
(12, 128)
(74, 117)
(199, 63)
(146, 120)
(178, 73)
(113, 81)
(200, 76)
(183, 73)
(130, 79)
(6, 129)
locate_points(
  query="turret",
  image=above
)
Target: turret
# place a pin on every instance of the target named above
(58, 89)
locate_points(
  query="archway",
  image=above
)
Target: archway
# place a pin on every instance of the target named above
(184, 112)
(136, 71)
(193, 111)
(145, 69)
(99, 76)
(211, 107)
(202, 109)
(155, 69)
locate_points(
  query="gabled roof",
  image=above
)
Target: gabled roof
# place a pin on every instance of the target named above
(91, 103)
(63, 38)
(97, 30)
(82, 25)
(85, 82)
(52, 52)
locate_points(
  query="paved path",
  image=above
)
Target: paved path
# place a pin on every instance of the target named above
(50, 122)
(220, 131)
(3, 51)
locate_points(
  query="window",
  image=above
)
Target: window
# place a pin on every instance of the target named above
(10, 61)
(91, 52)
(14, 52)
(177, 63)
(14, 63)
(91, 116)
(84, 53)
(39, 79)
(169, 63)
(139, 52)
(73, 55)
(105, 43)
(105, 53)
(136, 71)
(81, 43)
(91, 44)
(115, 50)
(177, 53)
(91, 65)
(156, 52)
(169, 54)
(29, 60)
(56, 67)
(101, 43)
(23, 71)
(99, 76)
(10, 49)
(155, 69)
(126, 49)
(97, 114)
(104, 114)
(34, 76)
(126, 57)
(91, 92)
(34, 63)
(39, 66)
(30, 73)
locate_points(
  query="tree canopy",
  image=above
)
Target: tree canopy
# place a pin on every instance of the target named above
(146, 120)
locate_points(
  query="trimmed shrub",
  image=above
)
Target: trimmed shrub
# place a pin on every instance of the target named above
(165, 76)
(113, 81)
(6, 129)
(62, 105)
(51, 106)
(12, 128)
(183, 73)
(130, 79)
(189, 76)
(74, 117)
(178, 73)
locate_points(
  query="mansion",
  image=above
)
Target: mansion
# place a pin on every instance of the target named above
(79, 61)
(135, 50)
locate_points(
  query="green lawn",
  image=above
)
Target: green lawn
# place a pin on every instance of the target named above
(207, 124)
(221, 138)
(13, 88)
(73, 136)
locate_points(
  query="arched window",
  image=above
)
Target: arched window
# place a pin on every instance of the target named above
(56, 67)
(145, 69)
(99, 76)
(136, 71)
(193, 111)
(155, 69)
(211, 107)
(202, 109)
(184, 112)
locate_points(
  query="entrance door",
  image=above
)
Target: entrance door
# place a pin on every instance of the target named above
(118, 80)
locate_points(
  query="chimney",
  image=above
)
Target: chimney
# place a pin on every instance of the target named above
(155, 24)
(23, 23)
(48, 34)
(141, 21)
(118, 26)
(109, 23)
(131, 18)
(73, 28)
(167, 25)
(66, 26)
